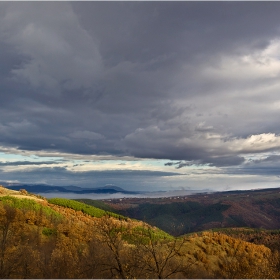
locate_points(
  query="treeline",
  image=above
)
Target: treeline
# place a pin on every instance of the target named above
(51, 241)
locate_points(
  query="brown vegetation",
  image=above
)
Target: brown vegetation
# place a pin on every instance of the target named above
(71, 244)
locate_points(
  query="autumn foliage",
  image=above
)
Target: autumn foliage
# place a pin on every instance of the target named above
(39, 239)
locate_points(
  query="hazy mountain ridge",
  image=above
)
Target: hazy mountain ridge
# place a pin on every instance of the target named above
(43, 188)
(102, 192)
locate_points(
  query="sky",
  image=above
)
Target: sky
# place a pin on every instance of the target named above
(148, 96)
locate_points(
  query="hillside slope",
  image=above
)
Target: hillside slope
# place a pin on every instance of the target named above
(255, 209)
(40, 239)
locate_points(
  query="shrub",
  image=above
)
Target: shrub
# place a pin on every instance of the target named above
(23, 191)
(49, 231)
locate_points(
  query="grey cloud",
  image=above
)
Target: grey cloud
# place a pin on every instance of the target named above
(86, 135)
(18, 163)
(58, 52)
(257, 170)
(181, 143)
(213, 161)
(183, 28)
(202, 128)
(225, 161)
(137, 78)
(181, 164)
(268, 159)
(172, 163)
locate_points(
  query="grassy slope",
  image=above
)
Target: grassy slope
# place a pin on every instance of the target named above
(98, 204)
(87, 209)
(26, 204)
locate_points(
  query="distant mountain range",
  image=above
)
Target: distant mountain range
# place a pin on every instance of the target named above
(102, 192)
(42, 188)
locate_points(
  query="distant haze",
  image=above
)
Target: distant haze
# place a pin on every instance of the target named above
(147, 96)
(117, 195)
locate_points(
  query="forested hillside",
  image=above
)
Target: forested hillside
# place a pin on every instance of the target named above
(181, 215)
(64, 239)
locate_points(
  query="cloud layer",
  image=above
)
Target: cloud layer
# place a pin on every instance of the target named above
(195, 84)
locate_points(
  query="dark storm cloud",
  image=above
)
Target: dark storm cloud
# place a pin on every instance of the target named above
(145, 31)
(184, 81)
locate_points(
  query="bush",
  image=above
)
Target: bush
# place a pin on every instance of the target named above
(23, 191)
(49, 231)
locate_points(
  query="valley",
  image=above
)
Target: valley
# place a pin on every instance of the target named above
(180, 215)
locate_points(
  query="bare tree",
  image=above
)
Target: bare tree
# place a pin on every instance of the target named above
(110, 235)
(160, 258)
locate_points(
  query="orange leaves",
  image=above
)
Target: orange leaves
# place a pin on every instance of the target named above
(87, 247)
